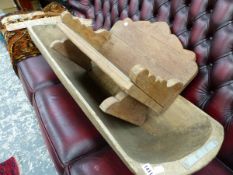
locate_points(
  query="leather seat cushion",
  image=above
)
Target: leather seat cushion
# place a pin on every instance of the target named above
(103, 162)
(68, 132)
(98, 164)
(35, 73)
(216, 167)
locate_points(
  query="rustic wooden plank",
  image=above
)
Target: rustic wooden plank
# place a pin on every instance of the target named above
(65, 47)
(118, 104)
(126, 108)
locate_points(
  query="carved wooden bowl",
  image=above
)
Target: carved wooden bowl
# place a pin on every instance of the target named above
(180, 140)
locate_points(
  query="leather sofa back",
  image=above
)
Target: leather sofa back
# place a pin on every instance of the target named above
(204, 26)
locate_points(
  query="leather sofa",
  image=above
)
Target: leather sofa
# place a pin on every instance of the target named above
(204, 26)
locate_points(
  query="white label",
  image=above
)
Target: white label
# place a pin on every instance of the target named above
(150, 171)
(159, 169)
(199, 154)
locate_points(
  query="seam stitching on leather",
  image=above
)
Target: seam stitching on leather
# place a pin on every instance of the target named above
(47, 135)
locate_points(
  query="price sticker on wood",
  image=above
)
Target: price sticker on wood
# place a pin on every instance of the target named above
(153, 171)
(192, 159)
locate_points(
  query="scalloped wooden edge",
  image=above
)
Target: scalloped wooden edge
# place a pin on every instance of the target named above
(161, 28)
(160, 90)
(96, 39)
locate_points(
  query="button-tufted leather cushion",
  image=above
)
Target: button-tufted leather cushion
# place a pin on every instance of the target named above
(35, 73)
(204, 26)
(215, 167)
(83, 7)
(103, 162)
(67, 131)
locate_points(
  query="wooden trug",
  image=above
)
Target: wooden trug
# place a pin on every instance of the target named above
(170, 140)
(145, 61)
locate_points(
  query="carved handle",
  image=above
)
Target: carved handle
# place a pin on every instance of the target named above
(162, 91)
(96, 39)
